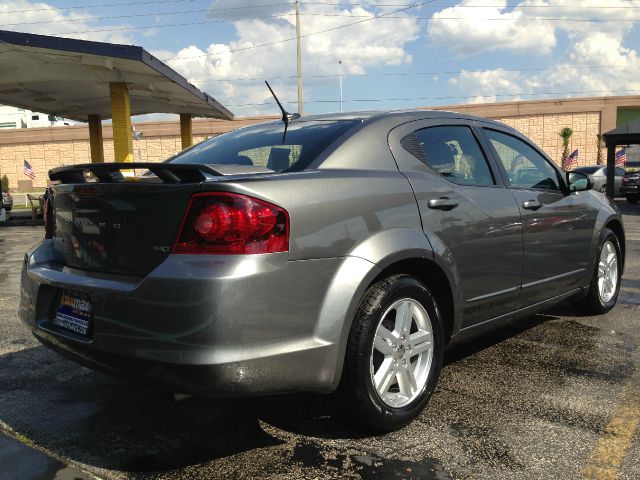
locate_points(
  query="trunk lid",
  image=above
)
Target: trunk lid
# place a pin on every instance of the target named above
(118, 228)
(109, 223)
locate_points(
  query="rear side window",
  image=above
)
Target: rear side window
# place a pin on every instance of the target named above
(264, 146)
(525, 167)
(453, 152)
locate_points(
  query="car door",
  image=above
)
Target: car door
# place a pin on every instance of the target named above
(467, 213)
(557, 224)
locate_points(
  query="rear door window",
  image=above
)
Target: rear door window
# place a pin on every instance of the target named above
(453, 152)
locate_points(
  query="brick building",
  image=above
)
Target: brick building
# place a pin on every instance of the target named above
(541, 121)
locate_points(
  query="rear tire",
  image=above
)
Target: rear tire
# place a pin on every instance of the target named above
(394, 354)
(633, 198)
(603, 189)
(605, 281)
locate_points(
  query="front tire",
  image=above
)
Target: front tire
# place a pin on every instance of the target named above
(633, 198)
(394, 353)
(605, 282)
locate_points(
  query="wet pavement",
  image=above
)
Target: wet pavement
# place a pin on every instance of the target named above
(553, 396)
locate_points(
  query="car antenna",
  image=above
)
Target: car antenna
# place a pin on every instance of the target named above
(286, 116)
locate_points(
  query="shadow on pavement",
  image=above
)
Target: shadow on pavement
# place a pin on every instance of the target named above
(108, 423)
(627, 208)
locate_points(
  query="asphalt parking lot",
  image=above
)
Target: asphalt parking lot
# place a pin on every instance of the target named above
(556, 396)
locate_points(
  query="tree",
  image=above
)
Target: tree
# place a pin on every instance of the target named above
(565, 133)
(5, 183)
(599, 159)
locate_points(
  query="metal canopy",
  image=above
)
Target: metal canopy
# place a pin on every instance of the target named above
(623, 135)
(70, 78)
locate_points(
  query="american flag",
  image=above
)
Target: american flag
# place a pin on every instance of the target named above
(572, 160)
(621, 156)
(28, 171)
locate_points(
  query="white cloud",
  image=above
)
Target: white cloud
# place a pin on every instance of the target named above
(484, 84)
(592, 44)
(44, 19)
(472, 27)
(360, 47)
(530, 26)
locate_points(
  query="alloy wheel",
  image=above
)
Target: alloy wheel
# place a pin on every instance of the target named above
(607, 272)
(402, 353)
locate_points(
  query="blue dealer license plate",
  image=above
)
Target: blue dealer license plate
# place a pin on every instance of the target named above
(73, 313)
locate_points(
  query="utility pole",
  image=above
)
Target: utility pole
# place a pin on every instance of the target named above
(299, 54)
(340, 64)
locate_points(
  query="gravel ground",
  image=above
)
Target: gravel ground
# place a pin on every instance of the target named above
(530, 401)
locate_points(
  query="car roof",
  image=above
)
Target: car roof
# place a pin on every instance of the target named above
(397, 116)
(375, 114)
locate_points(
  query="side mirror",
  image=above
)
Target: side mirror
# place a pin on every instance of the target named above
(578, 181)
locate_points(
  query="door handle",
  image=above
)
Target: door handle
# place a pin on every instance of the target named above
(531, 205)
(442, 203)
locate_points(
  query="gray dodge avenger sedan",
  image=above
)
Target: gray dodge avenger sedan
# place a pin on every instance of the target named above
(333, 252)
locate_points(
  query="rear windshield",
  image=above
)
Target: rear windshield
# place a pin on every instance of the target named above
(263, 145)
(587, 170)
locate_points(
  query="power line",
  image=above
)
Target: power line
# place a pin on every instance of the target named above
(535, 19)
(184, 12)
(408, 74)
(364, 4)
(244, 7)
(141, 27)
(101, 5)
(451, 97)
(185, 24)
(477, 6)
(364, 18)
(260, 45)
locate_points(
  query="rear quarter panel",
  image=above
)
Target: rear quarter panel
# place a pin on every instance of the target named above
(331, 212)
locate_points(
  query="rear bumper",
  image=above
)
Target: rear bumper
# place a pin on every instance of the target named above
(213, 325)
(287, 372)
(630, 189)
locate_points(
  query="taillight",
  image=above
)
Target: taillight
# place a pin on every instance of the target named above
(231, 223)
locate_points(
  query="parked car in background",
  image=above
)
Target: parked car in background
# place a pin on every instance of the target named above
(632, 166)
(598, 176)
(339, 251)
(7, 201)
(631, 186)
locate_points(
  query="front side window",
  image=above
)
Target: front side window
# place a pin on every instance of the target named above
(264, 146)
(453, 152)
(525, 167)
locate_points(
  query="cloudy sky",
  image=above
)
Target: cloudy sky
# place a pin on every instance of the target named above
(394, 53)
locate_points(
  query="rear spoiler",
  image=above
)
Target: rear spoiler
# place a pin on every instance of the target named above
(111, 172)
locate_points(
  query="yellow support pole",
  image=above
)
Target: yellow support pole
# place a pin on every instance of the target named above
(95, 139)
(121, 118)
(186, 130)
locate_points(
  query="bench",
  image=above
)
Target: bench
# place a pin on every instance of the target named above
(37, 205)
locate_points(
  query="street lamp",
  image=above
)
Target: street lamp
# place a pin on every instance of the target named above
(340, 65)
